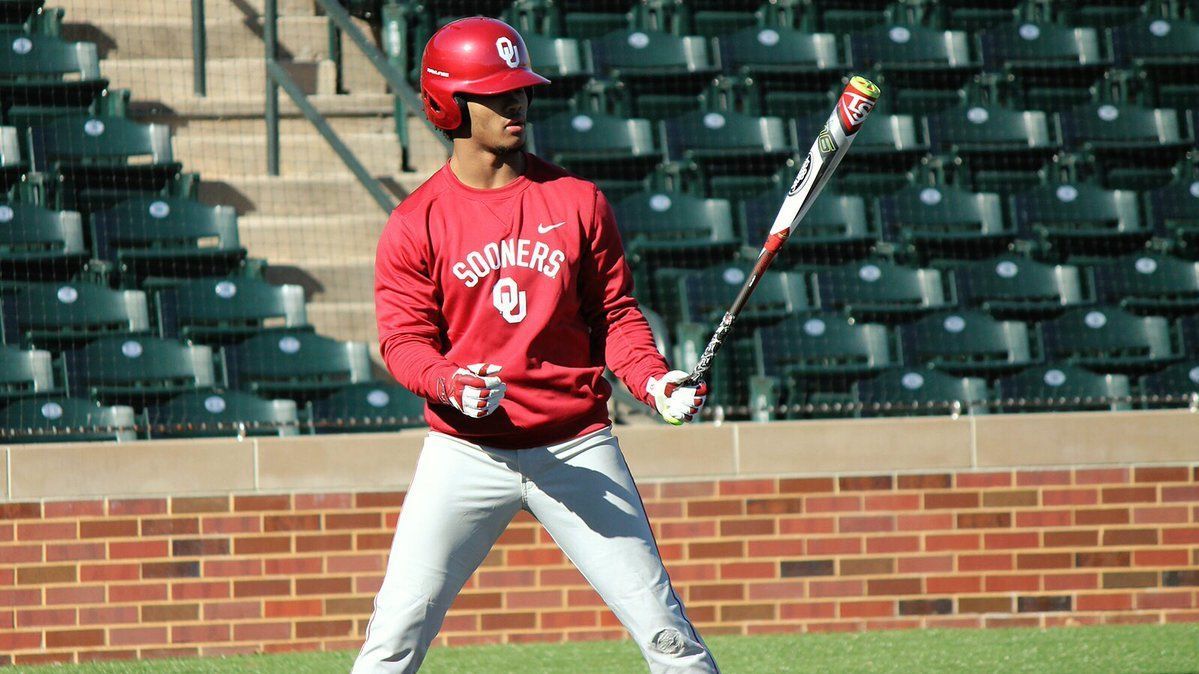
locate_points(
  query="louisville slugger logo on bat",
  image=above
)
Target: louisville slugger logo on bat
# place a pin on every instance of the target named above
(826, 152)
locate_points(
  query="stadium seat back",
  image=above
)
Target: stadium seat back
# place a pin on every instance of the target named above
(223, 310)
(137, 370)
(878, 290)
(168, 237)
(776, 50)
(297, 365)
(57, 315)
(706, 294)
(822, 346)
(836, 227)
(705, 135)
(1018, 287)
(219, 414)
(24, 373)
(99, 139)
(1063, 387)
(1109, 338)
(28, 56)
(1148, 283)
(38, 243)
(368, 407)
(61, 419)
(920, 391)
(967, 342)
(663, 222)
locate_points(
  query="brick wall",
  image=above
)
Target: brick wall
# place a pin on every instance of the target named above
(153, 577)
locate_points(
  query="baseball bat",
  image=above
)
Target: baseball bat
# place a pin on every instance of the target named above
(855, 104)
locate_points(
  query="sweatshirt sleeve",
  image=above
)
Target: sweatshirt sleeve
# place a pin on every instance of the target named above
(407, 310)
(616, 321)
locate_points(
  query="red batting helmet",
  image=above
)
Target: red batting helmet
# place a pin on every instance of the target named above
(476, 55)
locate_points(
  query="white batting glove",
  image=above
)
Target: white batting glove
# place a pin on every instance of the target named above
(476, 391)
(677, 404)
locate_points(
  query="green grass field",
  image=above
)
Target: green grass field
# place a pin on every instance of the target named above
(1168, 649)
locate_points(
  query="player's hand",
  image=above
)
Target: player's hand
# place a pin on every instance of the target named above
(677, 404)
(476, 391)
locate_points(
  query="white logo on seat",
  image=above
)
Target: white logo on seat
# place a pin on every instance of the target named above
(1193, 375)
(225, 289)
(1195, 189)
(378, 398)
(214, 404)
(1145, 265)
(1160, 28)
(67, 295)
(768, 37)
(638, 40)
(93, 127)
(930, 196)
(1055, 377)
(289, 344)
(733, 276)
(912, 381)
(1108, 113)
(22, 45)
(1067, 193)
(714, 120)
(1030, 31)
(160, 209)
(661, 202)
(52, 410)
(1095, 320)
(508, 52)
(978, 115)
(6, 213)
(1007, 269)
(581, 123)
(870, 273)
(131, 349)
(954, 324)
(814, 327)
(899, 34)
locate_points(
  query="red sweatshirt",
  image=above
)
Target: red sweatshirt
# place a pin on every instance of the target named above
(530, 276)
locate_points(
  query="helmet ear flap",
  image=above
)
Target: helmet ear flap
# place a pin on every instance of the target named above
(464, 114)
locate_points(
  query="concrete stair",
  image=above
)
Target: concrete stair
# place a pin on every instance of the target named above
(315, 225)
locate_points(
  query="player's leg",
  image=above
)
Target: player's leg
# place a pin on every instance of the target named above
(461, 499)
(584, 495)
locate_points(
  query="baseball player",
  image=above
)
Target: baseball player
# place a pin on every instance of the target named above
(502, 291)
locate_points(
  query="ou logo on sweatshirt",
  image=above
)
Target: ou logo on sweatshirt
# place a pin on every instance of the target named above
(509, 299)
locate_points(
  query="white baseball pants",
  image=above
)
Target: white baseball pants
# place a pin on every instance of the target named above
(462, 498)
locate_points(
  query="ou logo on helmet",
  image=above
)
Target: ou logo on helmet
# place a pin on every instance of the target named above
(507, 52)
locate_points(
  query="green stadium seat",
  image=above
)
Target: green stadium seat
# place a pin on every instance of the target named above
(791, 73)
(1062, 387)
(1149, 283)
(300, 366)
(676, 225)
(40, 244)
(1164, 54)
(1096, 13)
(880, 291)
(219, 413)
(664, 75)
(589, 19)
(946, 222)
(92, 156)
(25, 373)
(155, 236)
(920, 69)
(997, 149)
(57, 316)
(703, 296)
(1110, 339)
(884, 155)
(219, 311)
(1050, 67)
(60, 419)
(1173, 386)
(822, 346)
(969, 15)
(137, 370)
(1081, 219)
(617, 150)
(1173, 211)
(843, 16)
(368, 407)
(1135, 147)
(1011, 286)
(34, 72)
(709, 17)
(566, 63)
(967, 343)
(728, 152)
(906, 392)
(835, 229)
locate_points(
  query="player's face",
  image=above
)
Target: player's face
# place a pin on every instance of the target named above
(498, 122)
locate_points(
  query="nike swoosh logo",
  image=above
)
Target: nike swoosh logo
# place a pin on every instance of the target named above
(545, 229)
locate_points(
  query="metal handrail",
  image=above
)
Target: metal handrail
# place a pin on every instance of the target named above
(276, 77)
(199, 49)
